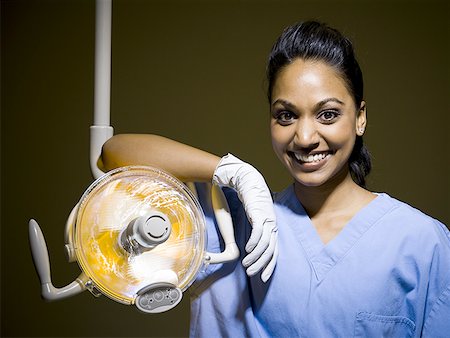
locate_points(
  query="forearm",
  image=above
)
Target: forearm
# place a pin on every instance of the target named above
(191, 164)
(184, 162)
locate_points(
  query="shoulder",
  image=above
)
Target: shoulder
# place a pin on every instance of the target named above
(287, 199)
(424, 245)
(412, 221)
(284, 195)
(421, 240)
(202, 191)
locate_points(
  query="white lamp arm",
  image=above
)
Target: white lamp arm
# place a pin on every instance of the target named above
(101, 131)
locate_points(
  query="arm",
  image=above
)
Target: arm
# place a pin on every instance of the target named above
(184, 162)
(191, 164)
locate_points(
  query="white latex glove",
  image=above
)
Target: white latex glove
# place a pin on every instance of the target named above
(262, 246)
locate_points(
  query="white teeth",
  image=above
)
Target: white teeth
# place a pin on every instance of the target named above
(310, 158)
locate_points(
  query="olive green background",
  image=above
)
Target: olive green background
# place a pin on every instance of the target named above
(192, 71)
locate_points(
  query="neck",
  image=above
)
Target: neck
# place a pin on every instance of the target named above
(336, 195)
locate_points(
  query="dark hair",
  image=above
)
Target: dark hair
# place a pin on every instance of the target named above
(312, 40)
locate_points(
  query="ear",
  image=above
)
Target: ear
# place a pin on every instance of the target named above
(361, 119)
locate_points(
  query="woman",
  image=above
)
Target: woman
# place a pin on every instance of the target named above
(350, 262)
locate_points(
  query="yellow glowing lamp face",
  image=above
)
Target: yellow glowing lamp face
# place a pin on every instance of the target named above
(108, 207)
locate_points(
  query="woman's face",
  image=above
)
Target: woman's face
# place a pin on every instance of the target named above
(314, 122)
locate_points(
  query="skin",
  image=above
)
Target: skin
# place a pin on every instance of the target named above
(313, 112)
(183, 161)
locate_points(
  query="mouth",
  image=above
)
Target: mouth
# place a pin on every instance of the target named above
(314, 158)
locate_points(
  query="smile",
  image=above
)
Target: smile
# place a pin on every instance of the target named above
(312, 158)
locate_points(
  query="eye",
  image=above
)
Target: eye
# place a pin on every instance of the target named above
(328, 116)
(285, 117)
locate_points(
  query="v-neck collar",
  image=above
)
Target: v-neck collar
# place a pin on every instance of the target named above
(323, 257)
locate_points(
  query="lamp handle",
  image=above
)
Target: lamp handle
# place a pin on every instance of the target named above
(42, 264)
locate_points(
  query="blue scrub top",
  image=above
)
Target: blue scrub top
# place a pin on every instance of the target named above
(386, 274)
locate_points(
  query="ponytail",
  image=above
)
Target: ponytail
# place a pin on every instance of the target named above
(360, 162)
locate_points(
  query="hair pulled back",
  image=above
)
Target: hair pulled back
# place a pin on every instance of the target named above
(316, 41)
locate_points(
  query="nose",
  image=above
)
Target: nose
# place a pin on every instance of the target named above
(306, 135)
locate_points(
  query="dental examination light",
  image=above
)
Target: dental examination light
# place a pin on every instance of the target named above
(138, 234)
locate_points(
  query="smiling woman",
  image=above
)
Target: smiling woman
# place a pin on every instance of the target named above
(351, 262)
(314, 126)
(314, 117)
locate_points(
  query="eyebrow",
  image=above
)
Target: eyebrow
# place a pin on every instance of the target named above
(318, 105)
(284, 103)
(325, 101)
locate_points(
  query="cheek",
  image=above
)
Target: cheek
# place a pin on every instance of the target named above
(280, 138)
(278, 143)
(341, 136)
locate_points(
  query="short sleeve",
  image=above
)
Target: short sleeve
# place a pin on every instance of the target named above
(437, 324)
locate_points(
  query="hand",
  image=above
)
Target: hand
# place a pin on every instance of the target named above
(252, 190)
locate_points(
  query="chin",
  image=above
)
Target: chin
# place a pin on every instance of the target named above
(311, 182)
(319, 179)
(309, 179)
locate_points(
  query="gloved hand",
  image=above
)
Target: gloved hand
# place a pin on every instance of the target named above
(252, 190)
